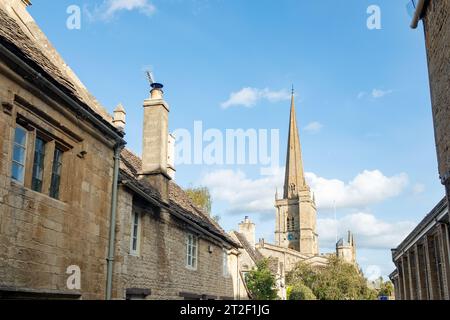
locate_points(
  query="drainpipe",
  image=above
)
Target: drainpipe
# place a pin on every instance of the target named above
(417, 14)
(112, 227)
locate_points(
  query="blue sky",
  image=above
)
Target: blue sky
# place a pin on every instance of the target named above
(363, 101)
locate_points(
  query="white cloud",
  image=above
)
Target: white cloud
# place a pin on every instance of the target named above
(418, 188)
(369, 231)
(361, 95)
(372, 273)
(242, 194)
(313, 127)
(109, 8)
(249, 97)
(245, 195)
(366, 188)
(378, 93)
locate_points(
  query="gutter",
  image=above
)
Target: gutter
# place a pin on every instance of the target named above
(418, 14)
(39, 79)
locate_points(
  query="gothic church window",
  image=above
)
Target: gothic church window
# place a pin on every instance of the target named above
(290, 224)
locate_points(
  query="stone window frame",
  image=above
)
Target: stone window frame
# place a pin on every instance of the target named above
(191, 260)
(33, 132)
(135, 213)
(56, 135)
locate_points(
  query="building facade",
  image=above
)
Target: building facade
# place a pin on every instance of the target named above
(56, 162)
(81, 217)
(435, 15)
(422, 260)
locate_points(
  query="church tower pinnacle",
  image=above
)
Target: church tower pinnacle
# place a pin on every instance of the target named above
(295, 178)
(296, 212)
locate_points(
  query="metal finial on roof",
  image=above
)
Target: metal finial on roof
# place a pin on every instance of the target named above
(151, 80)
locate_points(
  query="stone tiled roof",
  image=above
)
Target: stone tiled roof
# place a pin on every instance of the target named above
(179, 201)
(252, 252)
(32, 47)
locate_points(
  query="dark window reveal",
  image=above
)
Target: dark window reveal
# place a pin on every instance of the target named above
(56, 174)
(38, 165)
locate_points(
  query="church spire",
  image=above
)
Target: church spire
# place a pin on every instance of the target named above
(294, 179)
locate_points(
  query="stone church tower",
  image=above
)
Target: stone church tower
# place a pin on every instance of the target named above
(296, 211)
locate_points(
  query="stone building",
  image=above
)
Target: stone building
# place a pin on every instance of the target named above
(80, 216)
(296, 238)
(296, 213)
(435, 15)
(166, 248)
(56, 168)
(422, 259)
(346, 249)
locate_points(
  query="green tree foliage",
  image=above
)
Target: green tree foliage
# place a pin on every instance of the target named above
(299, 291)
(261, 282)
(201, 198)
(386, 288)
(336, 281)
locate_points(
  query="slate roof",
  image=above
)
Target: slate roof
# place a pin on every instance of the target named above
(33, 48)
(179, 201)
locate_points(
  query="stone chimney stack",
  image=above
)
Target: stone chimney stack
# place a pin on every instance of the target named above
(119, 118)
(155, 141)
(247, 229)
(171, 157)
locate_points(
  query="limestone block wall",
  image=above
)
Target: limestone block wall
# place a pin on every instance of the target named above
(161, 263)
(41, 236)
(437, 37)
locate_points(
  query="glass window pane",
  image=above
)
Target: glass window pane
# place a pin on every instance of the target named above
(56, 173)
(19, 154)
(17, 172)
(38, 165)
(20, 136)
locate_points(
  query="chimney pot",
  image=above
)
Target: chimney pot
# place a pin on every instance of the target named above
(157, 91)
